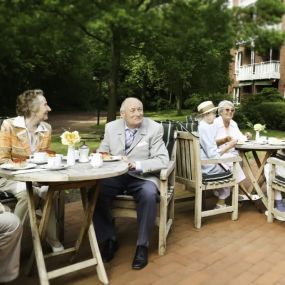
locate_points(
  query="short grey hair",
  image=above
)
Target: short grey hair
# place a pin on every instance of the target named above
(125, 102)
(222, 105)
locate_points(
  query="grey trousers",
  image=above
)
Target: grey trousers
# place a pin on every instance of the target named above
(18, 189)
(10, 244)
(146, 196)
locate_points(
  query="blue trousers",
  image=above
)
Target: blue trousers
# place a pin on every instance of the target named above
(146, 197)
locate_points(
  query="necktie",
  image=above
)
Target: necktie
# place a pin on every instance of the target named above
(130, 135)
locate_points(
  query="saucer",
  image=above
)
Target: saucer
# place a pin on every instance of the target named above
(60, 167)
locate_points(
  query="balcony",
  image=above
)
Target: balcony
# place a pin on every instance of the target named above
(257, 71)
(245, 3)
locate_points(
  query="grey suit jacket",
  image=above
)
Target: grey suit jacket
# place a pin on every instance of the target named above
(148, 147)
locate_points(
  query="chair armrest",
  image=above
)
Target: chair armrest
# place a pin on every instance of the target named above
(164, 173)
(221, 160)
(277, 161)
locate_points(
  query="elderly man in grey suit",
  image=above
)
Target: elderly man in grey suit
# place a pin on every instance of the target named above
(139, 141)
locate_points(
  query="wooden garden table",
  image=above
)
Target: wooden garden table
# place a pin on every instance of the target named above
(256, 178)
(83, 176)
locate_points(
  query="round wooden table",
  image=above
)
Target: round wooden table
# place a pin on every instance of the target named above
(83, 176)
(256, 178)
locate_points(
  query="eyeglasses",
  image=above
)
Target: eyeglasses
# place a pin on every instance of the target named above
(230, 110)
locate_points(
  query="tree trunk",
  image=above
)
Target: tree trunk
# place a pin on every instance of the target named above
(115, 67)
(178, 93)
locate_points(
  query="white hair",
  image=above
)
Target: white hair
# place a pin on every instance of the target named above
(222, 105)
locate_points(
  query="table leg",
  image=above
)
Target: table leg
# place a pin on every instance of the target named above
(259, 174)
(42, 227)
(89, 206)
(253, 180)
(36, 236)
(254, 202)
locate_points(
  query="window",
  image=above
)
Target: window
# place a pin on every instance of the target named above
(236, 96)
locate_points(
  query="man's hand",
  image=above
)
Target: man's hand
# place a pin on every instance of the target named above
(131, 164)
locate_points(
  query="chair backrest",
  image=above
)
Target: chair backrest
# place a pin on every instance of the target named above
(192, 123)
(169, 137)
(2, 119)
(188, 161)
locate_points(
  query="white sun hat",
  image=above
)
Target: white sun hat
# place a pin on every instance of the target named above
(206, 107)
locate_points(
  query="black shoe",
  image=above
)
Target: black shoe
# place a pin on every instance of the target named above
(140, 259)
(109, 249)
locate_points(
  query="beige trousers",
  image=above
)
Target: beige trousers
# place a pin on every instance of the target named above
(10, 244)
(18, 189)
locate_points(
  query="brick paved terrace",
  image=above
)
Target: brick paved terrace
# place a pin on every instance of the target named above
(247, 251)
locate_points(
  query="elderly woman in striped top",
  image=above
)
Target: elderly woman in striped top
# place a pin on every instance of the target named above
(19, 138)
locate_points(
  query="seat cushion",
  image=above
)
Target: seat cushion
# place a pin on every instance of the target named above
(216, 177)
(279, 179)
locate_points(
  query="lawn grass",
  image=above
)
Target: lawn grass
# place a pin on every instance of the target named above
(98, 130)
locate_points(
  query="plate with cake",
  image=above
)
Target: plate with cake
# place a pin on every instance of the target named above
(108, 158)
(17, 165)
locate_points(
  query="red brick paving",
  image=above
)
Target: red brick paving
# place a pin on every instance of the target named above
(247, 251)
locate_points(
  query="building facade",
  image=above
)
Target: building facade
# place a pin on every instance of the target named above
(250, 72)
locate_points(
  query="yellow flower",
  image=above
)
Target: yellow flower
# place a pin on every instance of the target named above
(259, 127)
(70, 138)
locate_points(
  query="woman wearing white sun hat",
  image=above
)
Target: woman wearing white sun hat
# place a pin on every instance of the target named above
(209, 148)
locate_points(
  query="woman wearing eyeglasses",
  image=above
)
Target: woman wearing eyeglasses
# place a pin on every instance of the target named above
(226, 129)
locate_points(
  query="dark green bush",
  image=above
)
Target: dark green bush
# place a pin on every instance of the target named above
(195, 99)
(273, 114)
(240, 118)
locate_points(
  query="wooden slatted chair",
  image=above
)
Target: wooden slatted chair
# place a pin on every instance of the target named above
(275, 183)
(125, 206)
(188, 171)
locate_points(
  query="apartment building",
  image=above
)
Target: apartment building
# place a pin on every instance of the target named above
(250, 72)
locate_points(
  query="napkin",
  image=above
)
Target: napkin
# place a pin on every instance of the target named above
(28, 170)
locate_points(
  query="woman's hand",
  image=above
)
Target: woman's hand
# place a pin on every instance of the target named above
(248, 135)
(228, 139)
(223, 140)
(232, 143)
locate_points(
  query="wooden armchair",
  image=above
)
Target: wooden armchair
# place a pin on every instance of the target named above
(275, 183)
(188, 171)
(125, 206)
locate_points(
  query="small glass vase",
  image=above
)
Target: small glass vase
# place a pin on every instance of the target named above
(257, 136)
(70, 155)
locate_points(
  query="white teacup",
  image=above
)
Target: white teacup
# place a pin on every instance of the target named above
(96, 159)
(39, 157)
(263, 139)
(54, 161)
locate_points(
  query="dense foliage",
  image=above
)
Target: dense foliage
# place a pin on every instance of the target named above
(267, 107)
(89, 55)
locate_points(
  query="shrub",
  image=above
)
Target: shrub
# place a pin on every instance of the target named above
(195, 99)
(241, 119)
(273, 115)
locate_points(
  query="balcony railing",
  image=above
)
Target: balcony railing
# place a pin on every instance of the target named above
(263, 70)
(244, 3)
